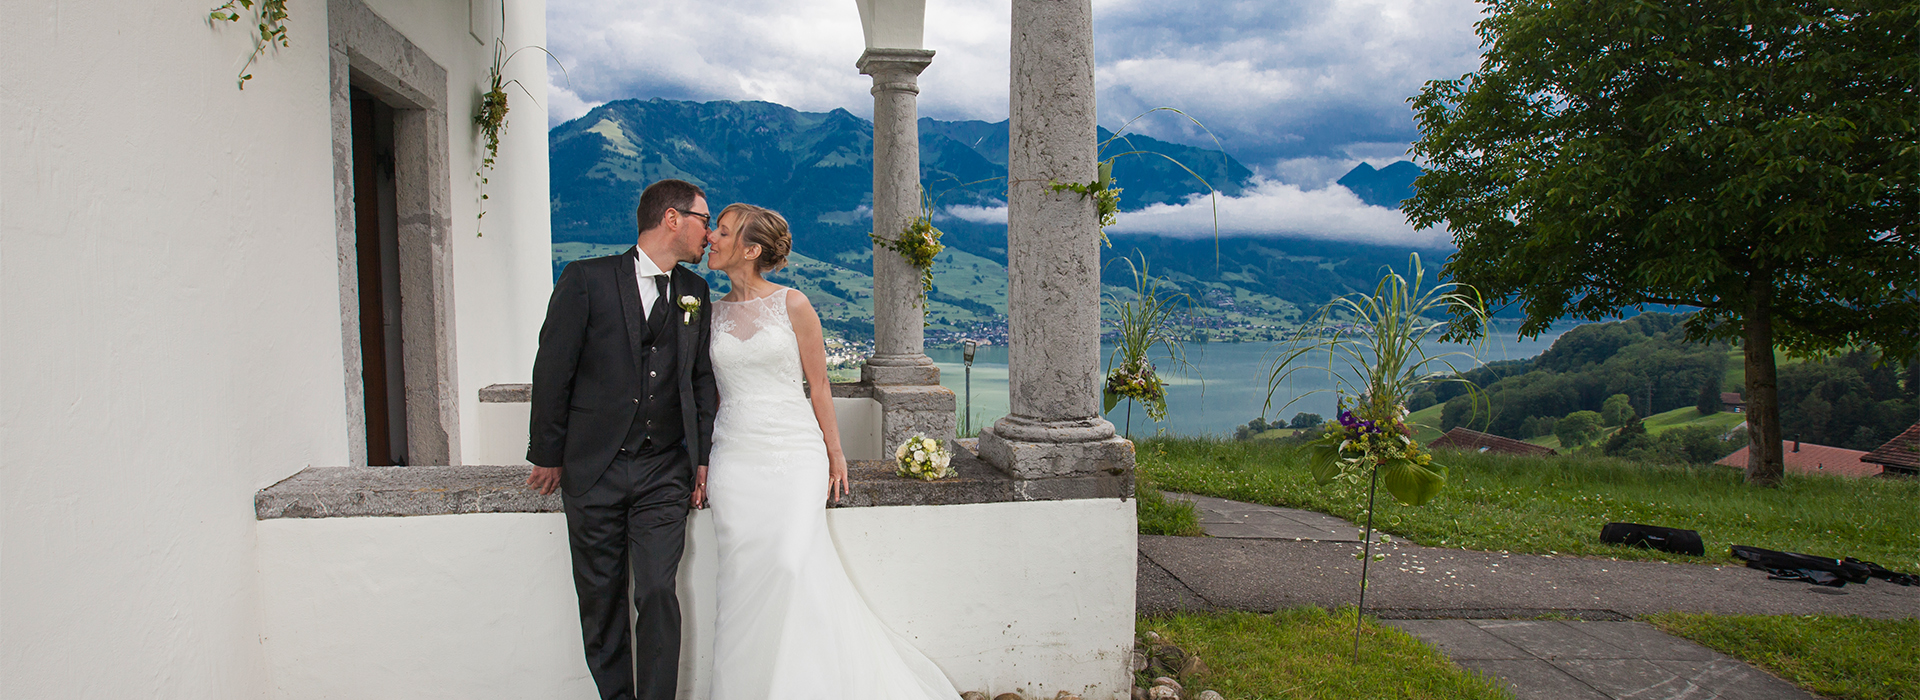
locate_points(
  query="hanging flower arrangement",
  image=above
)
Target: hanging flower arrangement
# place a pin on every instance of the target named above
(919, 244)
(1135, 379)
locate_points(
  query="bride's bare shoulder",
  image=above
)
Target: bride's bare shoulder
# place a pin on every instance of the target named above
(798, 306)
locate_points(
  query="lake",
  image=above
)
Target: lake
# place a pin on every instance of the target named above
(1225, 387)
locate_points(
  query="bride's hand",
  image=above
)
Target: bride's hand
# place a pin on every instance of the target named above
(836, 477)
(700, 487)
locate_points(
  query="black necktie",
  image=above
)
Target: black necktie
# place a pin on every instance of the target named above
(660, 285)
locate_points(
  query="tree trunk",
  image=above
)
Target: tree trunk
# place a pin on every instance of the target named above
(1765, 459)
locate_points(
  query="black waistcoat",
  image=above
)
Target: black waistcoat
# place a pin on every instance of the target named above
(658, 417)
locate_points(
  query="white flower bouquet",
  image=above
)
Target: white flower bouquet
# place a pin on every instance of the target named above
(922, 457)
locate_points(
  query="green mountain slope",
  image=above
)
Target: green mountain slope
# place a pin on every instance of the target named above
(816, 168)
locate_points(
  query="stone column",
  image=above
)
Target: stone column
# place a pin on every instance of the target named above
(1053, 256)
(904, 380)
(899, 344)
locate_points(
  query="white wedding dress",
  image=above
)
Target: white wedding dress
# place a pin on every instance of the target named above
(790, 623)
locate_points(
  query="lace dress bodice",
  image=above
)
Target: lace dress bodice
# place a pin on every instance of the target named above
(765, 420)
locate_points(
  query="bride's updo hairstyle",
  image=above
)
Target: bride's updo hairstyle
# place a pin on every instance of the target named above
(765, 228)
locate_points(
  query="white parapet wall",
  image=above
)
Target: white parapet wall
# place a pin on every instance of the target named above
(481, 605)
(504, 410)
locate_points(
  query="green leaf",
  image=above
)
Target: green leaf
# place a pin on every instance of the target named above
(1324, 461)
(1110, 399)
(1106, 173)
(1410, 483)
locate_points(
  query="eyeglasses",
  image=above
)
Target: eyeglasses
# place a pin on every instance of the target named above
(706, 220)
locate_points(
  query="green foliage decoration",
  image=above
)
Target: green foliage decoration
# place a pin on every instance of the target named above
(918, 244)
(270, 27)
(1106, 196)
(1753, 160)
(491, 116)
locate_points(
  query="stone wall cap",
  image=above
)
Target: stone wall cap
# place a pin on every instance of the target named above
(349, 492)
(507, 393)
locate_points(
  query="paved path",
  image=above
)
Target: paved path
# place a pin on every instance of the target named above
(1554, 660)
(1472, 604)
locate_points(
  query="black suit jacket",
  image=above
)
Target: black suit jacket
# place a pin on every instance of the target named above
(586, 378)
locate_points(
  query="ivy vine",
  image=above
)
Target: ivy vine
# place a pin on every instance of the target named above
(270, 27)
(918, 244)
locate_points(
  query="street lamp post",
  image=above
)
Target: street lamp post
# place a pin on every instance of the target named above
(969, 346)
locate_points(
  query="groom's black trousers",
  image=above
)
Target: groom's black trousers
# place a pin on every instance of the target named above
(633, 519)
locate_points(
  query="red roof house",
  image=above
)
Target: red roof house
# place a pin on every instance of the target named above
(1464, 439)
(1808, 458)
(1901, 455)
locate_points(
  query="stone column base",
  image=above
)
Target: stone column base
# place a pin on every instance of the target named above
(909, 409)
(900, 369)
(1024, 459)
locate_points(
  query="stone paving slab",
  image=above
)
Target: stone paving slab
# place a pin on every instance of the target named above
(1233, 519)
(1552, 659)
(1267, 575)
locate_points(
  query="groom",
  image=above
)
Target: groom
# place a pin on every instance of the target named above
(623, 406)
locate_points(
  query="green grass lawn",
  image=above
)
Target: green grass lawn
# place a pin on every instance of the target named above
(1681, 417)
(1159, 516)
(1557, 505)
(1850, 658)
(1308, 653)
(1426, 423)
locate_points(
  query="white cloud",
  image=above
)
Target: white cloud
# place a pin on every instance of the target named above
(1281, 79)
(1277, 209)
(799, 53)
(1276, 79)
(565, 106)
(978, 215)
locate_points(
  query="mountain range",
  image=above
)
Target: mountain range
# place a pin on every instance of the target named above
(816, 169)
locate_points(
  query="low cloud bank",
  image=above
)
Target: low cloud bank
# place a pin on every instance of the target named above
(1274, 209)
(978, 215)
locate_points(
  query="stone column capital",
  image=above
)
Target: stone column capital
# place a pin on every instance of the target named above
(895, 69)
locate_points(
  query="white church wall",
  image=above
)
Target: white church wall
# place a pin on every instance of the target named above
(168, 265)
(482, 605)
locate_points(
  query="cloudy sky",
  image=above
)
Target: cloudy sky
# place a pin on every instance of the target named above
(1299, 90)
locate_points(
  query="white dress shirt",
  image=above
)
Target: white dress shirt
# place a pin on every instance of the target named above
(644, 268)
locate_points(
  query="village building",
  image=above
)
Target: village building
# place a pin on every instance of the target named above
(1476, 441)
(1732, 402)
(1808, 458)
(1901, 455)
(264, 414)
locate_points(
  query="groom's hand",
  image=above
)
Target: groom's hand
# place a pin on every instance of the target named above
(700, 487)
(544, 479)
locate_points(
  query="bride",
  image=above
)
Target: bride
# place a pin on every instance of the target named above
(790, 623)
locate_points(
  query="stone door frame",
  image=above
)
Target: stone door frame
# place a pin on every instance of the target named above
(365, 52)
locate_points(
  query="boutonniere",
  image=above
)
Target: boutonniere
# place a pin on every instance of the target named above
(689, 308)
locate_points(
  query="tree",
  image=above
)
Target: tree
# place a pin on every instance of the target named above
(1629, 436)
(1709, 402)
(1617, 410)
(1753, 160)
(1577, 429)
(1306, 420)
